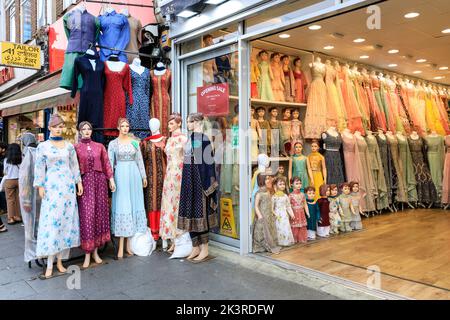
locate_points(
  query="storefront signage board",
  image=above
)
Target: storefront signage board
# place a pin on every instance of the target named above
(20, 55)
(175, 6)
(213, 100)
(6, 74)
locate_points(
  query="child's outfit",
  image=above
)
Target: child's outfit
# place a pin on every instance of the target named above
(281, 205)
(345, 201)
(356, 223)
(314, 216)
(299, 223)
(335, 217)
(323, 228)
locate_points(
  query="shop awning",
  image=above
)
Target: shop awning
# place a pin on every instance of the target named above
(42, 94)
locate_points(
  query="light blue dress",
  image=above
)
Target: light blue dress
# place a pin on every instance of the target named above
(128, 210)
(57, 171)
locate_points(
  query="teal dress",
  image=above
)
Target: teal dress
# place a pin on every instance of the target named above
(300, 169)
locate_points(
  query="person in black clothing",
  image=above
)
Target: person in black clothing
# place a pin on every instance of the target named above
(3, 147)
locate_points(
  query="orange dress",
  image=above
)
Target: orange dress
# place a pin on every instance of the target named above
(316, 111)
(335, 110)
(277, 82)
(354, 117)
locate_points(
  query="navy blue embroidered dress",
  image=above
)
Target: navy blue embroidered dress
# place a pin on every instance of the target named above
(138, 113)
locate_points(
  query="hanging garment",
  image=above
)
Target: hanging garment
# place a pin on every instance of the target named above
(172, 186)
(387, 166)
(435, 146)
(333, 160)
(128, 209)
(354, 117)
(117, 84)
(82, 30)
(376, 166)
(398, 186)
(277, 81)
(446, 179)
(57, 171)
(95, 169)
(377, 121)
(155, 168)
(299, 86)
(289, 85)
(335, 110)
(406, 162)
(264, 82)
(367, 183)
(426, 190)
(91, 102)
(316, 111)
(403, 110)
(264, 230)
(115, 33)
(138, 112)
(351, 158)
(254, 76)
(161, 107)
(135, 37)
(361, 98)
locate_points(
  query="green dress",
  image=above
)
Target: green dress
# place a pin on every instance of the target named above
(300, 169)
(264, 82)
(376, 166)
(436, 155)
(409, 178)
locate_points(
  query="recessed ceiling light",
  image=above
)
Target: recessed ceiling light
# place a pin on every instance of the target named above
(359, 40)
(315, 27)
(446, 30)
(443, 68)
(421, 60)
(412, 15)
(417, 72)
(393, 51)
(328, 47)
(186, 14)
(439, 78)
(215, 2)
(364, 57)
(392, 65)
(284, 36)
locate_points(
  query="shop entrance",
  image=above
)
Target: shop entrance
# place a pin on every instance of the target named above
(389, 82)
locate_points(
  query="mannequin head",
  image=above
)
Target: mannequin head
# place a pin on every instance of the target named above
(56, 125)
(296, 183)
(333, 190)
(154, 125)
(354, 186)
(336, 64)
(274, 112)
(174, 122)
(324, 191)
(318, 59)
(295, 114)
(287, 114)
(298, 63)
(298, 148)
(263, 55)
(261, 112)
(315, 146)
(275, 57)
(208, 40)
(123, 125)
(286, 60)
(280, 184)
(264, 180)
(85, 129)
(280, 170)
(310, 193)
(345, 188)
(263, 162)
(252, 112)
(195, 122)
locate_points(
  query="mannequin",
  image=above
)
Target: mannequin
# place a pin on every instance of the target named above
(138, 112)
(265, 137)
(57, 165)
(346, 207)
(297, 129)
(289, 84)
(130, 177)
(407, 166)
(316, 113)
(161, 79)
(263, 165)
(275, 131)
(109, 9)
(318, 167)
(114, 33)
(300, 83)
(199, 185)
(255, 135)
(435, 156)
(332, 143)
(266, 76)
(282, 210)
(278, 81)
(152, 149)
(94, 167)
(299, 166)
(254, 77)
(286, 132)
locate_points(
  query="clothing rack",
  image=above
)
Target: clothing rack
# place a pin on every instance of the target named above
(121, 4)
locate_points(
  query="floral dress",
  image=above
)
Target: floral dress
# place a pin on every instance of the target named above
(138, 112)
(172, 186)
(299, 223)
(57, 171)
(281, 205)
(356, 218)
(335, 217)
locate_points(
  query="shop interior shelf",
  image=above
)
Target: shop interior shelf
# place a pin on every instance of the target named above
(274, 159)
(259, 102)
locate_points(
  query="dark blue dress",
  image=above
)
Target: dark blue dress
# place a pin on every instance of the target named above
(138, 113)
(314, 215)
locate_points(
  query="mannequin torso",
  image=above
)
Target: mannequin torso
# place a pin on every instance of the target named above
(137, 67)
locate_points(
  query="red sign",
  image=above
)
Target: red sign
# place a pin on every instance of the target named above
(214, 100)
(6, 74)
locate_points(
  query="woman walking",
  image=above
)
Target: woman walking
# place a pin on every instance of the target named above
(11, 184)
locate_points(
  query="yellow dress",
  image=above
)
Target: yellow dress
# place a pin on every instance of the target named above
(316, 160)
(434, 121)
(335, 108)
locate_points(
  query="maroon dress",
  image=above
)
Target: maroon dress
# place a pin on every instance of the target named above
(93, 205)
(299, 223)
(324, 206)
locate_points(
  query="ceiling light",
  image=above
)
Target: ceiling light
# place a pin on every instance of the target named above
(392, 65)
(315, 27)
(421, 60)
(215, 2)
(446, 30)
(393, 51)
(328, 47)
(186, 14)
(417, 72)
(439, 78)
(443, 68)
(284, 36)
(359, 40)
(364, 57)
(412, 15)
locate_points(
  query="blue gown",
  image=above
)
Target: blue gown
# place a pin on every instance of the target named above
(138, 113)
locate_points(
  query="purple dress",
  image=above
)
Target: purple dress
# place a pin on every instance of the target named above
(93, 205)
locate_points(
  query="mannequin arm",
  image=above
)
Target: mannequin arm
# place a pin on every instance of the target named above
(310, 174)
(305, 205)
(289, 208)
(324, 171)
(257, 201)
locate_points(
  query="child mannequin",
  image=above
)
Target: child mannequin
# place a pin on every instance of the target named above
(286, 132)
(299, 206)
(280, 173)
(265, 77)
(346, 207)
(264, 126)
(356, 224)
(318, 168)
(323, 229)
(255, 135)
(281, 207)
(297, 130)
(299, 165)
(275, 131)
(335, 217)
(314, 212)
(278, 77)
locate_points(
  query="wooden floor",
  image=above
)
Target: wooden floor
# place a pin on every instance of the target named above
(410, 248)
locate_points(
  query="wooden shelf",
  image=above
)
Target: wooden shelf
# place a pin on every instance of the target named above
(259, 102)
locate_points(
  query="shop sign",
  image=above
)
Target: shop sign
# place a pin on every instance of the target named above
(20, 55)
(6, 74)
(213, 100)
(227, 223)
(175, 6)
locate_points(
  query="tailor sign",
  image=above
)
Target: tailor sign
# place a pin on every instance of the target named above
(213, 100)
(175, 6)
(20, 55)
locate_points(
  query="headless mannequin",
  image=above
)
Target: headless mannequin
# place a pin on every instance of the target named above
(136, 66)
(114, 64)
(413, 135)
(109, 9)
(433, 134)
(347, 132)
(317, 63)
(332, 131)
(125, 12)
(400, 136)
(82, 7)
(161, 67)
(381, 134)
(92, 61)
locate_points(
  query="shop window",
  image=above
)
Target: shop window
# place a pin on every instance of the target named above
(12, 23)
(40, 17)
(213, 91)
(67, 3)
(25, 20)
(209, 39)
(31, 122)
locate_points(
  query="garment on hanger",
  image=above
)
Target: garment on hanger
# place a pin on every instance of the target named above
(386, 163)
(264, 83)
(333, 160)
(335, 110)
(161, 106)
(376, 166)
(316, 111)
(446, 180)
(138, 112)
(435, 155)
(406, 161)
(115, 33)
(367, 183)
(91, 102)
(354, 117)
(135, 37)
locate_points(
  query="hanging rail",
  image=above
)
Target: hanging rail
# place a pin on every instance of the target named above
(121, 4)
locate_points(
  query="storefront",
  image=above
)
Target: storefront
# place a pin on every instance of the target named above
(215, 72)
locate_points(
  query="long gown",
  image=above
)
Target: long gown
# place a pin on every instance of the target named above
(446, 180)
(335, 110)
(333, 160)
(277, 83)
(399, 188)
(316, 160)
(128, 210)
(406, 162)
(316, 111)
(264, 82)
(351, 158)
(386, 163)
(435, 154)
(160, 103)
(366, 183)
(300, 169)
(376, 166)
(57, 171)
(281, 204)
(300, 84)
(264, 231)
(354, 117)
(138, 112)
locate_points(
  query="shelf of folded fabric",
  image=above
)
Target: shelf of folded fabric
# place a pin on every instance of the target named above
(259, 102)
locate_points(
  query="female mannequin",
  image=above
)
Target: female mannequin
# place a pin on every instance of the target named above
(255, 134)
(138, 112)
(435, 146)
(263, 165)
(446, 180)
(254, 77)
(152, 149)
(198, 207)
(409, 178)
(300, 81)
(289, 84)
(286, 132)
(265, 137)
(318, 167)
(56, 173)
(297, 129)
(316, 112)
(161, 79)
(128, 210)
(95, 170)
(172, 181)
(278, 81)
(299, 166)
(265, 78)
(332, 143)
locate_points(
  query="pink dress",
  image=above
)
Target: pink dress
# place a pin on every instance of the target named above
(354, 118)
(351, 158)
(277, 82)
(300, 84)
(316, 112)
(298, 225)
(446, 180)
